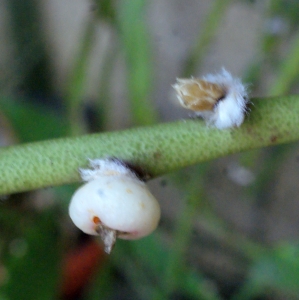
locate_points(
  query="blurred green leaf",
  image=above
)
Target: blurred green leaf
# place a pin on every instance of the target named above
(279, 269)
(101, 286)
(288, 9)
(276, 271)
(33, 122)
(34, 274)
(136, 45)
(146, 262)
(207, 33)
(105, 10)
(76, 88)
(31, 65)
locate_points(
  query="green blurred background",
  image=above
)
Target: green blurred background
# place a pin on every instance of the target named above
(229, 228)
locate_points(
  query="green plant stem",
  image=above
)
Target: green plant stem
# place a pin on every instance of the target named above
(77, 83)
(103, 101)
(182, 236)
(211, 25)
(288, 71)
(136, 44)
(157, 149)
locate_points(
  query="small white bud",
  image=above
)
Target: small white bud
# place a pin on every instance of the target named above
(219, 99)
(113, 203)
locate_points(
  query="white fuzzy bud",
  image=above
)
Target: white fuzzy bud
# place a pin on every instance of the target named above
(113, 203)
(219, 99)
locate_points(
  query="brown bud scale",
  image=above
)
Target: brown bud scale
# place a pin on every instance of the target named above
(198, 94)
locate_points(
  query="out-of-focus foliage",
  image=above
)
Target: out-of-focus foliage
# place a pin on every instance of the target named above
(33, 265)
(196, 254)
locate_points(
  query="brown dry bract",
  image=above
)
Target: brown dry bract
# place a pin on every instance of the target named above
(197, 94)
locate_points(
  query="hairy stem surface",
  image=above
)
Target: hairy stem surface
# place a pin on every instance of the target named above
(157, 149)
